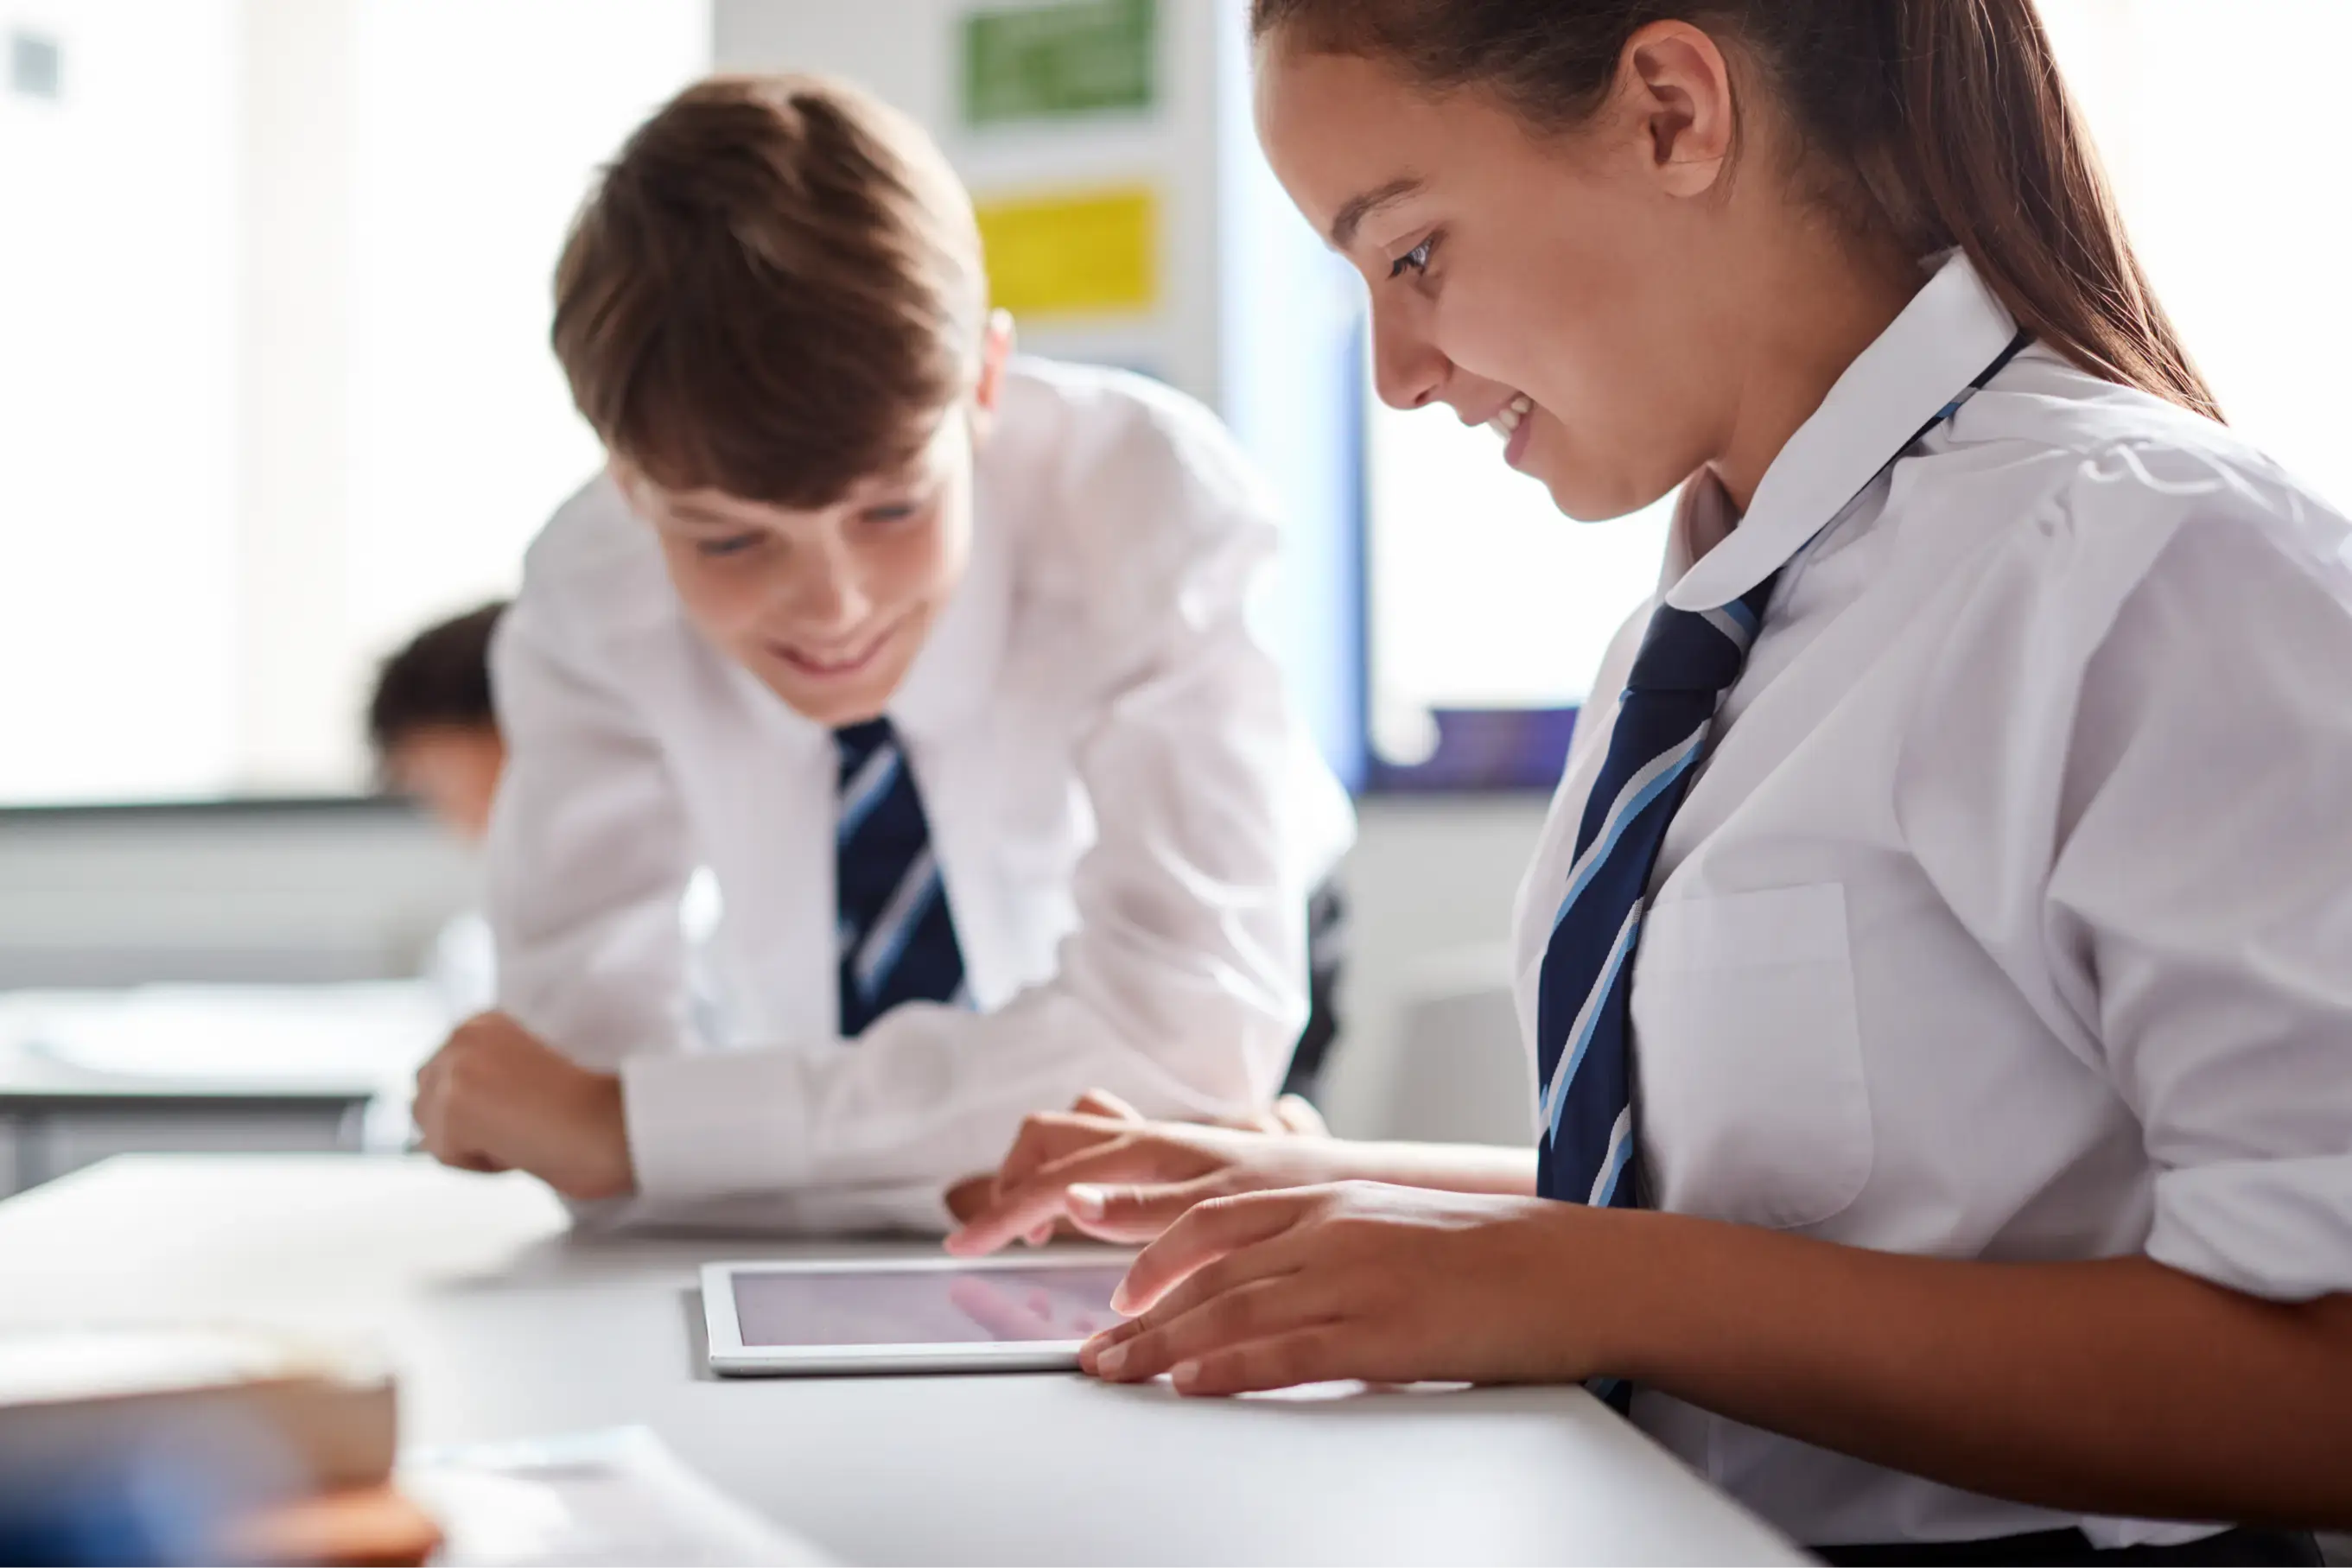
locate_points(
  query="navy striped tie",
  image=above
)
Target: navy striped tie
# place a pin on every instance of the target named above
(1584, 1068)
(1584, 1061)
(898, 941)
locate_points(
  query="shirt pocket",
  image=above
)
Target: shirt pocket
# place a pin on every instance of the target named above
(1754, 1107)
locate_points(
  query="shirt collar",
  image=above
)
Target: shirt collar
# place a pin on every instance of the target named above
(1943, 339)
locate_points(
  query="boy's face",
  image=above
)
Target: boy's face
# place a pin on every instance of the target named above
(828, 607)
(453, 769)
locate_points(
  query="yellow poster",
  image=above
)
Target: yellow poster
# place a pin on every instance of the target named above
(1074, 253)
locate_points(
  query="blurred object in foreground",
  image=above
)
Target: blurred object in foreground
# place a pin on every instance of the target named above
(163, 1445)
(313, 1416)
(364, 1527)
(618, 1496)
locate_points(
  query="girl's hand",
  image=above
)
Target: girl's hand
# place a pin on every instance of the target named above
(1117, 1178)
(1390, 1285)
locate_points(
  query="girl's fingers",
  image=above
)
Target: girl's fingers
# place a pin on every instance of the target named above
(1297, 1115)
(1135, 1213)
(1051, 1135)
(1207, 1233)
(1253, 1310)
(1103, 1103)
(1043, 1198)
(1318, 1352)
(1118, 1333)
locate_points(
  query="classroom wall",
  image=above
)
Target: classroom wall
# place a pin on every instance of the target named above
(906, 52)
(268, 892)
(356, 891)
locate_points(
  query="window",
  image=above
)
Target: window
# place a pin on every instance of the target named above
(277, 388)
(1488, 610)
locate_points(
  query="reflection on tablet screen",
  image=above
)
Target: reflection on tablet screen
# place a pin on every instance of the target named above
(933, 1307)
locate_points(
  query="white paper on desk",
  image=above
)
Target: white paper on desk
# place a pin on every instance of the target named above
(612, 1497)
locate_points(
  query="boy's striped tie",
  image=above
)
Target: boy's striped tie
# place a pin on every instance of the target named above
(897, 940)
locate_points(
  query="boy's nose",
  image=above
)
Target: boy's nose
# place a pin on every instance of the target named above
(834, 601)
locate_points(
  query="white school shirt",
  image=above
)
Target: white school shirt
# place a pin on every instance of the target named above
(1127, 814)
(2011, 917)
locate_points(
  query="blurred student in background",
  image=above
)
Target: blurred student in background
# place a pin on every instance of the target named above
(431, 726)
(435, 738)
(940, 660)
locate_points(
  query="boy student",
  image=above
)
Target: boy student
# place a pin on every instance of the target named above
(938, 661)
(435, 733)
(431, 724)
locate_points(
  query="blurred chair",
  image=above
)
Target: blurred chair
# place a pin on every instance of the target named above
(1455, 1070)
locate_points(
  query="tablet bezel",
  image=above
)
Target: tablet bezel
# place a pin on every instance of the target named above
(730, 1357)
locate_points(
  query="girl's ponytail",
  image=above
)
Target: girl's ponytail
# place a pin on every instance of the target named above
(1990, 144)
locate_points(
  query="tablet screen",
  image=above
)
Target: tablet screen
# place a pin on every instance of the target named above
(942, 1306)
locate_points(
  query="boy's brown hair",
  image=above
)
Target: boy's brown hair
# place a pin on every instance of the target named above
(775, 291)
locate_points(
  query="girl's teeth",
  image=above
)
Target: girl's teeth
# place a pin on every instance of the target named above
(1508, 420)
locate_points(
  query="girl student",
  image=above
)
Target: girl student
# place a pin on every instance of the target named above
(1938, 958)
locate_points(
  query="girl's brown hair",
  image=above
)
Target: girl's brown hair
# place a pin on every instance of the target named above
(1943, 122)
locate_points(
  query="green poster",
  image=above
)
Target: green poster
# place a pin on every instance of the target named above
(1044, 62)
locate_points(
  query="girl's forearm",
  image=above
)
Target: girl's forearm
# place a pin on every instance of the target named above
(2112, 1387)
(1448, 1168)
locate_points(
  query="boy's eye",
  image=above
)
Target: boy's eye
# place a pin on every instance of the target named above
(734, 545)
(893, 512)
(1414, 260)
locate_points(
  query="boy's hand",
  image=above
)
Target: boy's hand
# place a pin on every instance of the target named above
(495, 1097)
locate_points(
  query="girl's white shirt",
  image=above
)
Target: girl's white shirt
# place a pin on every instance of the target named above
(2010, 916)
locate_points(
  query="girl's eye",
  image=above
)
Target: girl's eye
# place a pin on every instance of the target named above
(737, 545)
(895, 512)
(1415, 260)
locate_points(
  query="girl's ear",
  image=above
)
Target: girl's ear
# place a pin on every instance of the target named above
(996, 352)
(1677, 88)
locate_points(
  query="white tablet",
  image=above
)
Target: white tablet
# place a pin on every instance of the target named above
(905, 1314)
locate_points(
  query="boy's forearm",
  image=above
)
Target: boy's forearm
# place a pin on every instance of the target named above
(2109, 1386)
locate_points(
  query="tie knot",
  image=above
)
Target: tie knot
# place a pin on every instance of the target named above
(857, 742)
(1698, 650)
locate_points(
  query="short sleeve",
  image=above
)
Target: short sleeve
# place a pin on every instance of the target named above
(2202, 890)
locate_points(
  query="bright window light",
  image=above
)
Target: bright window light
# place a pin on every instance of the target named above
(276, 387)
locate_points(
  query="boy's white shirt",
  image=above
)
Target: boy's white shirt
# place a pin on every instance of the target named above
(2010, 915)
(1127, 813)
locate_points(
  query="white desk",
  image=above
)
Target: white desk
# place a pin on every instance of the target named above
(505, 1327)
(190, 1068)
(58, 1116)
